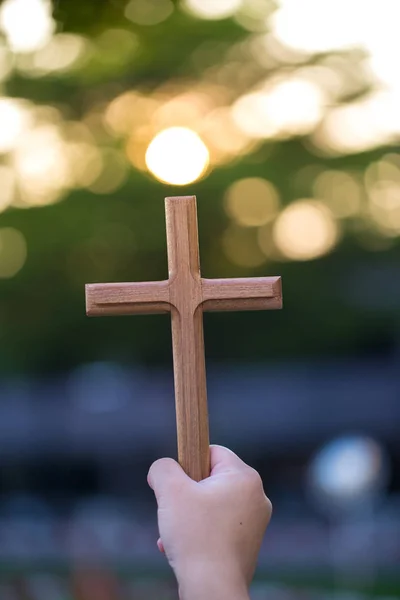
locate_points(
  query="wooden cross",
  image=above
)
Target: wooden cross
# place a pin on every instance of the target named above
(185, 294)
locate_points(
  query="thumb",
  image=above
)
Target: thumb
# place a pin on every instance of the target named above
(224, 460)
(165, 477)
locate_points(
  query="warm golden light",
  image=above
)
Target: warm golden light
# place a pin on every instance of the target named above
(113, 174)
(183, 110)
(316, 26)
(386, 169)
(6, 62)
(213, 9)
(313, 27)
(63, 52)
(250, 113)
(14, 118)
(252, 202)
(177, 155)
(295, 105)
(42, 166)
(266, 243)
(128, 111)
(340, 191)
(288, 107)
(12, 252)
(85, 163)
(223, 137)
(358, 126)
(7, 186)
(241, 247)
(305, 230)
(148, 12)
(27, 24)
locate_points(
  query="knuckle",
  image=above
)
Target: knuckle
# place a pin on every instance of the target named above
(253, 481)
(266, 511)
(268, 507)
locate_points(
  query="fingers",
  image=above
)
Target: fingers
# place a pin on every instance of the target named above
(165, 476)
(224, 460)
(160, 546)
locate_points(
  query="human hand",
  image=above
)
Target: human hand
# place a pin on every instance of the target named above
(211, 531)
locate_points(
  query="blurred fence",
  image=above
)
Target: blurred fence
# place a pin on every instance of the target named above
(102, 409)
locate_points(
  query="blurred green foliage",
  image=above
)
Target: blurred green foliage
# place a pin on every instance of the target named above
(120, 236)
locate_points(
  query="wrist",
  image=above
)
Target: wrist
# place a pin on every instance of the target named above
(212, 582)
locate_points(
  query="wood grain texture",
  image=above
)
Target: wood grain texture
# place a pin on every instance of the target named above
(187, 336)
(186, 295)
(149, 297)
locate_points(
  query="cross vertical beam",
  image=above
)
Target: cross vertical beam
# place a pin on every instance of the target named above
(187, 336)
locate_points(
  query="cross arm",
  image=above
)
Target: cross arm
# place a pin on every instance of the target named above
(106, 299)
(247, 293)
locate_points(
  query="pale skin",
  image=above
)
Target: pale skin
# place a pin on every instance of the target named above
(211, 531)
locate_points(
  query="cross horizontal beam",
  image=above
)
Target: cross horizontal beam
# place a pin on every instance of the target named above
(256, 293)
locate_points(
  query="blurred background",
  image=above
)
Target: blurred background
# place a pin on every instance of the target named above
(283, 118)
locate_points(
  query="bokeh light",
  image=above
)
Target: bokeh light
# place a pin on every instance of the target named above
(340, 191)
(253, 14)
(42, 166)
(177, 155)
(339, 24)
(250, 112)
(85, 163)
(63, 52)
(347, 472)
(112, 175)
(385, 169)
(224, 139)
(212, 9)
(252, 202)
(384, 206)
(6, 62)
(241, 247)
(13, 252)
(27, 24)
(128, 111)
(273, 110)
(7, 186)
(305, 230)
(359, 126)
(148, 12)
(15, 117)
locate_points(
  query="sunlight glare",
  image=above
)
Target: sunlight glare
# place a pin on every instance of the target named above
(27, 24)
(177, 155)
(313, 26)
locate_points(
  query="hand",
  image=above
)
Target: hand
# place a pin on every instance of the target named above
(211, 531)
